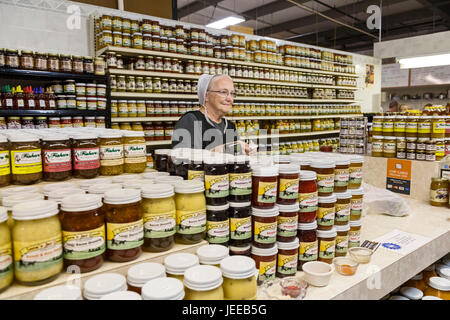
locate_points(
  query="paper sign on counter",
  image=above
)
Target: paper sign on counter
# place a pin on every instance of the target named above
(401, 242)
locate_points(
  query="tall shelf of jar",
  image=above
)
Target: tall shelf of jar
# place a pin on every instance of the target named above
(153, 69)
(40, 90)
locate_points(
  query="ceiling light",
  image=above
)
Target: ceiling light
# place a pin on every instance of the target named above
(225, 22)
(425, 61)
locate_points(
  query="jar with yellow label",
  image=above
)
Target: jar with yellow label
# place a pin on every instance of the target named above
(388, 126)
(399, 126)
(377, 146)
(327, 244)
(342, 240)
(438, 127)
(178, 263)
(354, 235)
(439, 192)
(37, 242)
(239, 281)
(6, 254)
(5, 168)
(424, 125)
(132, 108)
(134, 149)
(356, 204)
(266, 262)
(111, 153)
(326, 212)
(440, 149)
(411, 126)
(389, 147)
(203, 282)
(26, 160)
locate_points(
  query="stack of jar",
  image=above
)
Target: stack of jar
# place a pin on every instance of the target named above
(345, 81)
(319, 93)
(284, 109)
(345, 94)
(51, 122)
(300, 126)
(150, 108)
(152, 85)
(80, 96)
(352, 135)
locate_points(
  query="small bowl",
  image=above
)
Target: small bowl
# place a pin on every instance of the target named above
(360, 254)
(318, 273)
(345, 266)
(293, 287)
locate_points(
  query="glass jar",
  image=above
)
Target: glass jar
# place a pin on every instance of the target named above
(240, 176)
(86, 156)
(191, 212)
(264, 226)
(341, 175)
(65, 63)
(40, 61)
(399, 126)
(389, 147)
(135, 151)
(5, 167)
(203, 283)
(342, 240)
(37, 229)
(287, 259)
(159, 217)
(342, 208)
(217, 224)
(124, 224)
(326, 212)
(240, 224)
(439, 192)
(327, 244)
(163, 289)
(53, 62)
(26, 159)
(264, 186)
(355, 172)
(377, 146)
(438, 287)
(6, 253)
(216, 181)
(288, 181)
(424, 125)
(83, 230)
(57, 156)
(111, 153)
(287, 222)
(308, 197)
(354, 235)
(308, 243)
(356, 204)
(266, 263)
(239, 281)
(325, 176)
(411, 126)
(139, 274)
(401, 147)
(88, 65)
(438, 127)
(388, 126)
(26, 60)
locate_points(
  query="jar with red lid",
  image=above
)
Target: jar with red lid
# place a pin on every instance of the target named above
(307, 197)
(288, 181)
(264, 186)
(325, 176)
(287, 259)
(326, 212)
(266, 262)
(287, 222)
(264, 226)
(308, 244)
(327, 244)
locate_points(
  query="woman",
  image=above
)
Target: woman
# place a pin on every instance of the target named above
(207, 128)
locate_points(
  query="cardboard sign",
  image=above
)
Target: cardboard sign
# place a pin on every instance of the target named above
(398, 176)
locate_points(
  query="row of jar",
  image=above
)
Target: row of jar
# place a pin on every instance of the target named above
(79, 89)
(296, 126)
(301, 146)
(151, 108)
(51, 122)
(353, 144)
(283, 109)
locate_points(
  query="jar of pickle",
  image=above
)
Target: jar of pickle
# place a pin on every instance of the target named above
(111, 153)
(135, 152)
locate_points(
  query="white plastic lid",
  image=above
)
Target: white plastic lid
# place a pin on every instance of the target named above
(173, 180)
(342, 228)
(240, 250)
(288, 169)
(125, 177)
(443, 272)
(122, 295)
(163, 289)
(60, 293)
(328, 199)
(36, 209)
(239, 204)
(288, 207)
(323, 164)
(111, 134)
(103, 284)
(356, 159)
(122, 196)
(265, 252)
(398, 298)
(306, 175)
(55, 137)
(355, 223)
(178, 263)
(327, 233)
(411, 293)
(212, 254)
(11, 201)
(133, 133)
(218, 208)
(430, 298)
(23, 137)
(101, 188)
(154, 175)
(81, 202)
(15, 190)
(136, 184)
(439, 283)
(3, 214)
(189, 186)
(260, 171)
(238, 267)
(446, 261)
(58, 195)
(139, 274)
(357, 192)
(307, 226)
(272, 212)
(288, 245)
(341, 161)
(215, 160)
(418, 276)
(343, 195)
(57, 186)
(84, 136)
(157, 191)
(85, 184)
(203, 278)
(163, 151)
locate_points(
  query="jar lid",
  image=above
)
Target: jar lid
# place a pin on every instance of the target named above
(288, 207)
(64, 292)
(34, 209)
(443, 272)
(307, 226)
(288, 245)
(271, 212)
(323, 164)
(430, 298)
(60, 185)
(356, 159)
(125, 177)
(162, 151)
(163, 289)
(342, 161)
(136, 184)
(139, 274)
(23, 137)
(122, 196)
(439, 283)
(24, 189)
(269, 171)
(102, 284)
(189, 186)
(238, 267)
(328, 199)
(3, 214)
(332, 233)
(239, 204)
(401, 138)
(173, 180)
(342, 228)
(357, 192)
(217, 159)
(343, 195)
(389, 138)
(85, 184)
(411, 138)
(398, 298)
(122, 295)
(203, 278)
(212, 254)
(58, 195)
(111, 134)
(355, 223)
(154, 175)
(306, 175)
(157, 191)
(21, 197)
(411, 293)
(265, 252)
(288, 169)
(101, 188)
(178, 263)
(81, 202)
(85, 136)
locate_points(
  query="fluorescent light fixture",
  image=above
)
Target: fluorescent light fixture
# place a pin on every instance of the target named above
(225, 22)
(425, 61)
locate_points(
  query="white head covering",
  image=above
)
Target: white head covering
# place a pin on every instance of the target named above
(202, 87)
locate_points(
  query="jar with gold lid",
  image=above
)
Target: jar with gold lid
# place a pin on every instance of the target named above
(411, 126)
(439, 192)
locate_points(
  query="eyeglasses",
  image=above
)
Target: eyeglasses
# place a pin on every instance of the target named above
(225, 93)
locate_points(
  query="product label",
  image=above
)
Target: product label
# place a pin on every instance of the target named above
(124, 236)
(342, 212)
(4, 163)
(308, 251)
(355, 175)
(217, 231)
(32, 256)
(241, 228)
(135, 160)
(439, 127)
(267, 192)
(325, 182)
(240, 184)
(288, 189)
(6, 260)
(217, 186)
(26, 161)
(439, 195)
(189, 222)
(86, 158)
(424, 127)
(159, 225)
(354, 238)
(341, 177)
(287, 264)
(377, 146)
(325, 216)
(308, 201)
(399, 126)
(196, 175)
(111, 152)
(265, 232)
(287, 226)
(356, 206)
(411, 127)
(326, 249)
(85, 244)
(57, 160)
(341, 244)
(267, 270)
(389, 147)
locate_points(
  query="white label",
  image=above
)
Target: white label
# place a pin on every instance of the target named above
(9, 102)
(111, 152)
(344, 212)
(135, 234)
(58, 156)
(161, 224)
(86, 154)
(341, 177)
(354, 236)
(357, 206)
(31, 104)
(196, 221)
(83, 244)
(5, 261)
(42, 103)
(135, 150)
(45, 254)
(28, 157)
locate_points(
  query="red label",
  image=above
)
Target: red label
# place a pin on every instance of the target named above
(57, 160)
(86, 158)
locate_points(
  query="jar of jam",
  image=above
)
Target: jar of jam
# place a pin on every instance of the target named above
(287, 260)
(287, 222)
(288, 181)
(342, 208)
(53, 62)
(65, 63)
(354, 235)
(355, 172)
(27, 59)
(240, 224)
(308, 244)
(88, 65)
(264, 226)
(240, 176)
(356, 204)
(377, 146)
(57, 157)
(308, 197)
(326, 212)
(216, 181)
(12, 58)
(389, 147)
(325, 176)
(327, 244)
(77, 64)
(439, 192)
(40, 61)
(341, 175)
(342, 240)
(124, 224)
(217, 224)
(264, 186)
(266, 262)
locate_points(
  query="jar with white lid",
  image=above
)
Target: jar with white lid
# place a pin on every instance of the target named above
(176, 264)
(266, 262)
(264, 186)
(354, 235)
(163, 289)
(341, 240)
(122, 296)
(212, 254)
(203, 282)
(26, 159)
(438, 287)
(6, 253)
(125, 177)
(327, 244)
(111, 153)
(264, 226)
(356, 204)
(287, 222)
(16, 190)
(326, 212)
(101, 188)
(342, 208)
(325, 176)
(59, 195)
(411, 293)
(63, 292)
(136, 184)
(85, 184)
(124, 224)
(239, 281)
(355, 172)
(37, 231)
(48, 188)
(288, 180)
(218, 224)
(159, 208)
(287, 258)
(341, 174)
(100, 285)
(154, 175)
(10, 201)
(139, 274)
(134, 151)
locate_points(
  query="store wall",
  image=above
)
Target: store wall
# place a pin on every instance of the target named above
(157, 8)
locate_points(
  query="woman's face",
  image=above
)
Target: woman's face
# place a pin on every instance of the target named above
(217, 100)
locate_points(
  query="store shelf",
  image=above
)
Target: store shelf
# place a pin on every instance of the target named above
(138, 52)
(53, 113)
(136, 95)
(159, 143)
(290, 135)
(47, 75)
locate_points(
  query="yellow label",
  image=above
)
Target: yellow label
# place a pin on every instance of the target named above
(439, 127)
(327, 249)
(267, 192)
(217, 186)
(217, 231)
(288, 189)
(287, 264)
(30, 252)
(424, 127)
(308, 251)
(26, 161)
(124, 236)
(191, 222)
(196, 175)
(84, 244)
(267, 270)
(4, 163)
(341, 244)
(265, 232)
(6, 259)
(325, 216)
(240, 228)
(287, 226)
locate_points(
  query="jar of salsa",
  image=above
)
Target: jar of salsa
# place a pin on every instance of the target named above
(266, 262)
(240, 224)
(342, 240)
(216, 180)
(287, 259)
(325, 176)
(288, 181)
(342, 208)
(326, 212)
(264, 186)
(308, 197)
(240, 175)
(264, 226)
(287, 222)
(327, 244)
(308, 244)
